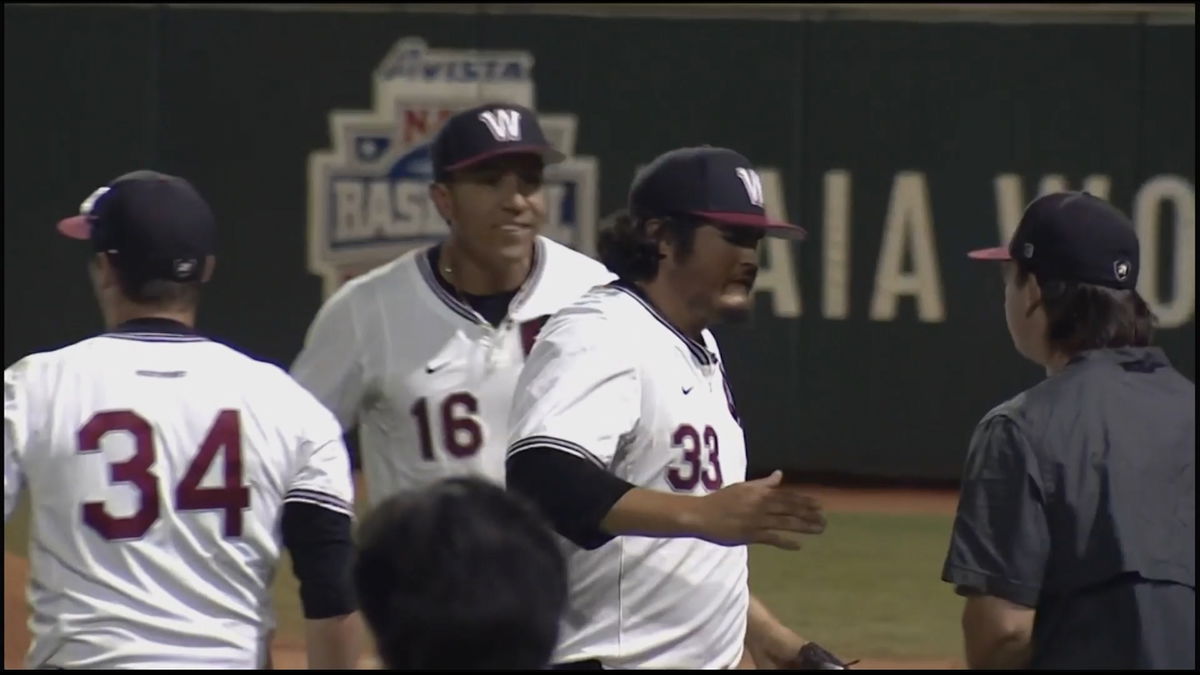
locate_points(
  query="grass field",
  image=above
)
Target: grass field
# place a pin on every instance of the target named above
(868, 588)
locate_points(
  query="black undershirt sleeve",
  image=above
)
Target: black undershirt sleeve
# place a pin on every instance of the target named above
(572, 493)
(322, 548)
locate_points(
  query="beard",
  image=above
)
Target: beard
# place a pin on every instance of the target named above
(736, 315)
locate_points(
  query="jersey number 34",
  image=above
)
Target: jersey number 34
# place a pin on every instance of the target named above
(225, 434)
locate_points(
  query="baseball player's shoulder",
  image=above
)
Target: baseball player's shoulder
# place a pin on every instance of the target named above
(45, 365)
(566, 265)
(602, 316)
(386, 277)
(270, 387)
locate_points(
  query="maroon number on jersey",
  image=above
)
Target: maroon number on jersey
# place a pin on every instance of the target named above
(701, 460)
(461, 434)
(232, 497)
(136, 470)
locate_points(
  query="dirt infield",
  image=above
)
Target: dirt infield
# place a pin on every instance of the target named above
(288, 651)
(16, 635)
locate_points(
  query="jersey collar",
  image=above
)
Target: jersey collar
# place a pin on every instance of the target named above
(698, 351)
(154, 325)
(464, 310)
(155, 329)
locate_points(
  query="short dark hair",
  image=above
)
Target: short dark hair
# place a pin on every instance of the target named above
(631, 253)
(157, 293)
(1082, 316)
(460, 575)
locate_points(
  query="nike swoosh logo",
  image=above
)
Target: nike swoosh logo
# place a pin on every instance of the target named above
(687, 390)
(429, 370)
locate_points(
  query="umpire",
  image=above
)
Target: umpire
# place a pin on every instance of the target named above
(1074, 541)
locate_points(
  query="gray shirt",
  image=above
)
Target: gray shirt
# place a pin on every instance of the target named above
(1078, 499)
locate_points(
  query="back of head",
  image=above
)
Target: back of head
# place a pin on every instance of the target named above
(460, 575)
(157, 232)
(1085, 255)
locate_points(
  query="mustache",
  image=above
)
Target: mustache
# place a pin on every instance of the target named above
(746, 275)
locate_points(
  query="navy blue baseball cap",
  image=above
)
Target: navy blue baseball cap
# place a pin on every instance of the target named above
(1073, 236)
(485, 131)
(717, 184)
(153, 226)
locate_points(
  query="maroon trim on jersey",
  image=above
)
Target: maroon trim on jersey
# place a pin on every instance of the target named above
(530, 330)
(433, 280)
(729, 396)
(698, 351)
(316, 498)
(155, 337)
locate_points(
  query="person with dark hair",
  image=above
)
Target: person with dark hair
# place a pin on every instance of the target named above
(166, 471)
(1075, 541)
(460, 575)
(421, 354)
(625, 434)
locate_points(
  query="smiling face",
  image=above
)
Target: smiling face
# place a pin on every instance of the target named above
(717, 276)
(495, 207)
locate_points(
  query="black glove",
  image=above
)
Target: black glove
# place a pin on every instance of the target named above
(813, 656)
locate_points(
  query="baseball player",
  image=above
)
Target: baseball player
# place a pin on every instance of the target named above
(1075, 537)
(422, 354)
(625, 433)
(166, 470)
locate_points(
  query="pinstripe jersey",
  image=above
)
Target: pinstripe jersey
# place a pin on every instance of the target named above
(158, 464)
(427, 380)
(612, 382)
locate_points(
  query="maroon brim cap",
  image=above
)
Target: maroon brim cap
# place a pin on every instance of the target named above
(76, 227)
(994, 253)
(774, 228)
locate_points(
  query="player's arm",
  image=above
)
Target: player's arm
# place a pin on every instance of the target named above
(319, 539)
(770, 643)
(330, 363)
(577, 396)
(773, 646)
(317, 530)
(999, 546)
(15, 430)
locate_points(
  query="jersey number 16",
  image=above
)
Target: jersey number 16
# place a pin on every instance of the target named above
(461, 434)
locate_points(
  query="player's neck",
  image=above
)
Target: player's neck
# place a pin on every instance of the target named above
(675, 308)
(1055, 363)
(123, 311)
(479, 276)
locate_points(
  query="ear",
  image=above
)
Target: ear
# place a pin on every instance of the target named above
(443, 200)
(210, 264)
(1032, 292)
(106, 274)
(654, 232)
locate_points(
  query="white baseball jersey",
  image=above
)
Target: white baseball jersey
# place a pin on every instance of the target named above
(611, 381)
(158, 465)
(428, 381)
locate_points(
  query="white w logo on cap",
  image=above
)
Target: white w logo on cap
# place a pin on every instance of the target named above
(504, 124)
(753, 186)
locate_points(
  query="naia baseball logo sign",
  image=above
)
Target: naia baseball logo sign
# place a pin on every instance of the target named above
(368, 194)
